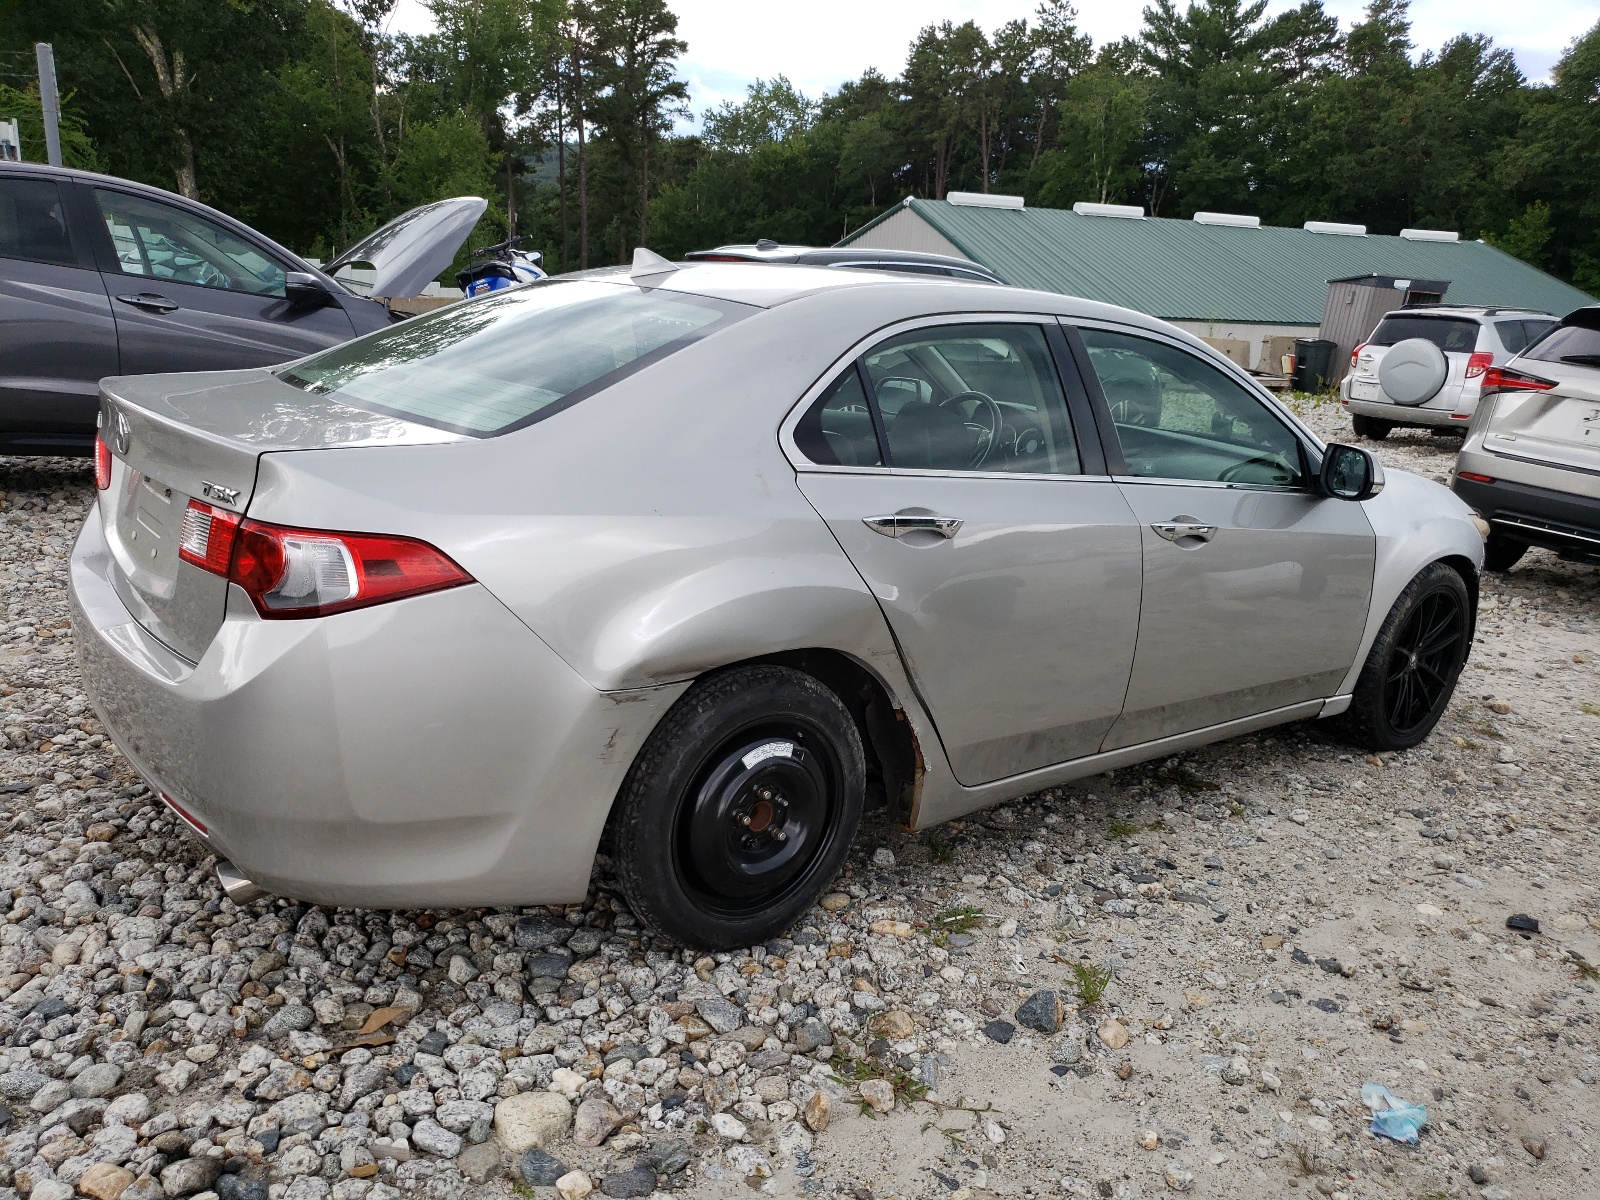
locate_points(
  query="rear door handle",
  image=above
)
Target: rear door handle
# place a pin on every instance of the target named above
(897, 525)
(150, 302)
(1182, 527)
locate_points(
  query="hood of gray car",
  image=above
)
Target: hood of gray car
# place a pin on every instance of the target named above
(411, 250)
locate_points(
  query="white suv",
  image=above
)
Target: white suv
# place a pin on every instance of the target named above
(1436, 360)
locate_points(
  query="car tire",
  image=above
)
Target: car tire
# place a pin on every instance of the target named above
(1412, 668)
(1501, 553)
(740, 808)
(1370, 427)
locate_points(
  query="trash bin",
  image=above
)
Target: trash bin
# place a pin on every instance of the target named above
(1313, 363)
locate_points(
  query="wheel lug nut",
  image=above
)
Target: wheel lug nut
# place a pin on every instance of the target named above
(744, 819)
(779, 835)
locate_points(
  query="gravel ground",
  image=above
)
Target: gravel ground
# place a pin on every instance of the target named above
(1274, 922)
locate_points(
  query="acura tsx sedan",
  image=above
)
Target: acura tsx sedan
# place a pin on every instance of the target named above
(697, 562)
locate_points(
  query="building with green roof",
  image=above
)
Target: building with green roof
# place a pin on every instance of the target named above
(1218, 275)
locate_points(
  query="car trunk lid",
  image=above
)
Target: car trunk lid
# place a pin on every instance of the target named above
(181, 438)
(1560, 426)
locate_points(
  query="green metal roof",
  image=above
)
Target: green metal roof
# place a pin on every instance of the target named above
(1185, 271)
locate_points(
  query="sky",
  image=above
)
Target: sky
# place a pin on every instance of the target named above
(819, 44)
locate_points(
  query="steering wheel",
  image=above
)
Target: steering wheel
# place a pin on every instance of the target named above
(1231, 475)
(988, 437)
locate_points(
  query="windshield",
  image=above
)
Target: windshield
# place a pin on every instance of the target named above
(1447, 333)
(485, 367)
(1575, 340)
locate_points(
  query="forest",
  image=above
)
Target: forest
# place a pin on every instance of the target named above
(311, 121)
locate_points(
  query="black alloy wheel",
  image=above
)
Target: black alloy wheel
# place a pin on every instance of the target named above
(1412, 668)
(740, 808)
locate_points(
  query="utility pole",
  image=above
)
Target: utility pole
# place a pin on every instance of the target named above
(50, 102)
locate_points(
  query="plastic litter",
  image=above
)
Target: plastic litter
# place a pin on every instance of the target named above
(1392, 1117)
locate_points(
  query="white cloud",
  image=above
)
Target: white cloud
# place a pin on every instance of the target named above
(819, 44)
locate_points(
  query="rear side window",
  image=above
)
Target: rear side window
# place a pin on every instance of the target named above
(838, 431)
(1447, 333)
(1517, 336)
(33, 224)
(488, 366)
(1574, 340)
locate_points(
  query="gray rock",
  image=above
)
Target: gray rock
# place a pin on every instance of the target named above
(630, 1184)
(547, 966)
(540, 933)
(540, 1169)
(481, 1163)
(594, 1121)
(190, 1175)
(237, 1187)
(999, 1031)
(51, 1096)
(20, 1085)
(666, 1157)
(811, 1034)
(1042, 1011)
(291, 1018)
(97, 1079)
(433, 1138)
(458, 1115)
(721, 1014)
(585, 941)
(360, 1081)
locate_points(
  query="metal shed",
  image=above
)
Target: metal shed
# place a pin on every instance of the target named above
(1356, 305)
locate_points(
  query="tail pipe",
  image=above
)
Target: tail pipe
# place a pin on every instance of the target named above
(237, 888)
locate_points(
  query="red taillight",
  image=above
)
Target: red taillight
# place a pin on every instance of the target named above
(1478, 364)
(1476, 478)
(102, 463)
(1504, 379)
(1356, 353)
(207, 536)
(310, 573)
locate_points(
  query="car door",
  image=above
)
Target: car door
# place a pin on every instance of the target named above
(57, 336)
(948, 465)
(191, 295)
(1255, 588)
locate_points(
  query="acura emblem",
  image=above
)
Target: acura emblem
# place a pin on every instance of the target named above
(121, 433)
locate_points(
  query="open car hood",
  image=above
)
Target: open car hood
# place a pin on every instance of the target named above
(410, 250)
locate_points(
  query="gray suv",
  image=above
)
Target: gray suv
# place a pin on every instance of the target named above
(101, 276)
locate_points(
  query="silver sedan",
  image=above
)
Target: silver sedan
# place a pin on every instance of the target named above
(705, 560)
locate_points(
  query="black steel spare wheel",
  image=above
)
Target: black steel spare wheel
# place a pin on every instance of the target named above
(740, 808)
(1414, 663)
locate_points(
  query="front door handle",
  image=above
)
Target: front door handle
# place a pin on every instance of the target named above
(150, 302)
(1184, 527)
(897, 525)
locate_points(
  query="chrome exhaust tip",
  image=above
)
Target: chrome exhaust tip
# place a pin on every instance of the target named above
(236, 887)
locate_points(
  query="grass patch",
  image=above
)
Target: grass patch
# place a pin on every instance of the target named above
(1592, 710)
(1118, 830)
(907, 1088)
(1090, 981)
(963, 918)
(941, 851)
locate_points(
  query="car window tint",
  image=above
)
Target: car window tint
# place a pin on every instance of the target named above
(837, 430)
(507, 359)
(1179, 417)
(1575, 340)
(1447, 333)
(174, 245)
(1532, 331)
(33, 223)
(973, 398)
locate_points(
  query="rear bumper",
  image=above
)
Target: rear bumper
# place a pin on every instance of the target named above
(1454, 415)
(428, 752)
(1539, 516)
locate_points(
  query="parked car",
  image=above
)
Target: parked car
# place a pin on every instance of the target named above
(102, 276)
(1423, 367)
(1531, 462)
(911, 262)
(713, 557)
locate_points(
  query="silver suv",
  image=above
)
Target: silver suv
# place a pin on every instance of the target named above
(1531, 462)
(1425, 366)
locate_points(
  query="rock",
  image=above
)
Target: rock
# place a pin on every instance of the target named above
(666, 1157)
(721, 1014)
(21, 1085)
(888, 928)
(481, 1163)
(1522, 923)
(811, 1034)
(51, 1096)
(1534, 1147)
(1177, 1178)
(1149, 1139)
(540, 933)
(834, 902)
(145, 1187)
(1477, 1174)
(1113, 1033)
(817, 1112)
(52, 1189)
(531, 1119)
(540, 1169)
(291, 1018)
(1236, 1071)
(1042, 1011)
(728, 1126)
(999, 1031)
(433, 1138)
(574, 1185)
(897, 1025)
(629, 1184)
(105, 1181)
(883, 857)
(97, 1079)
(190, 1175)
(594, 1121)
(879, 1093)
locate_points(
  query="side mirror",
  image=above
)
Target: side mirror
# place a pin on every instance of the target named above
(1349, 473)
(304, 290)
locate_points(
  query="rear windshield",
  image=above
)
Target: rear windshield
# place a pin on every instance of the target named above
(1575, 340)
(488, 366)
(1447, 333)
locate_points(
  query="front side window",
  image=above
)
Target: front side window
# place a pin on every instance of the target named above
(33, 224)
(972, 398)
(1179, 417)
(503, 361)
(1447, 333)
(176, 246)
